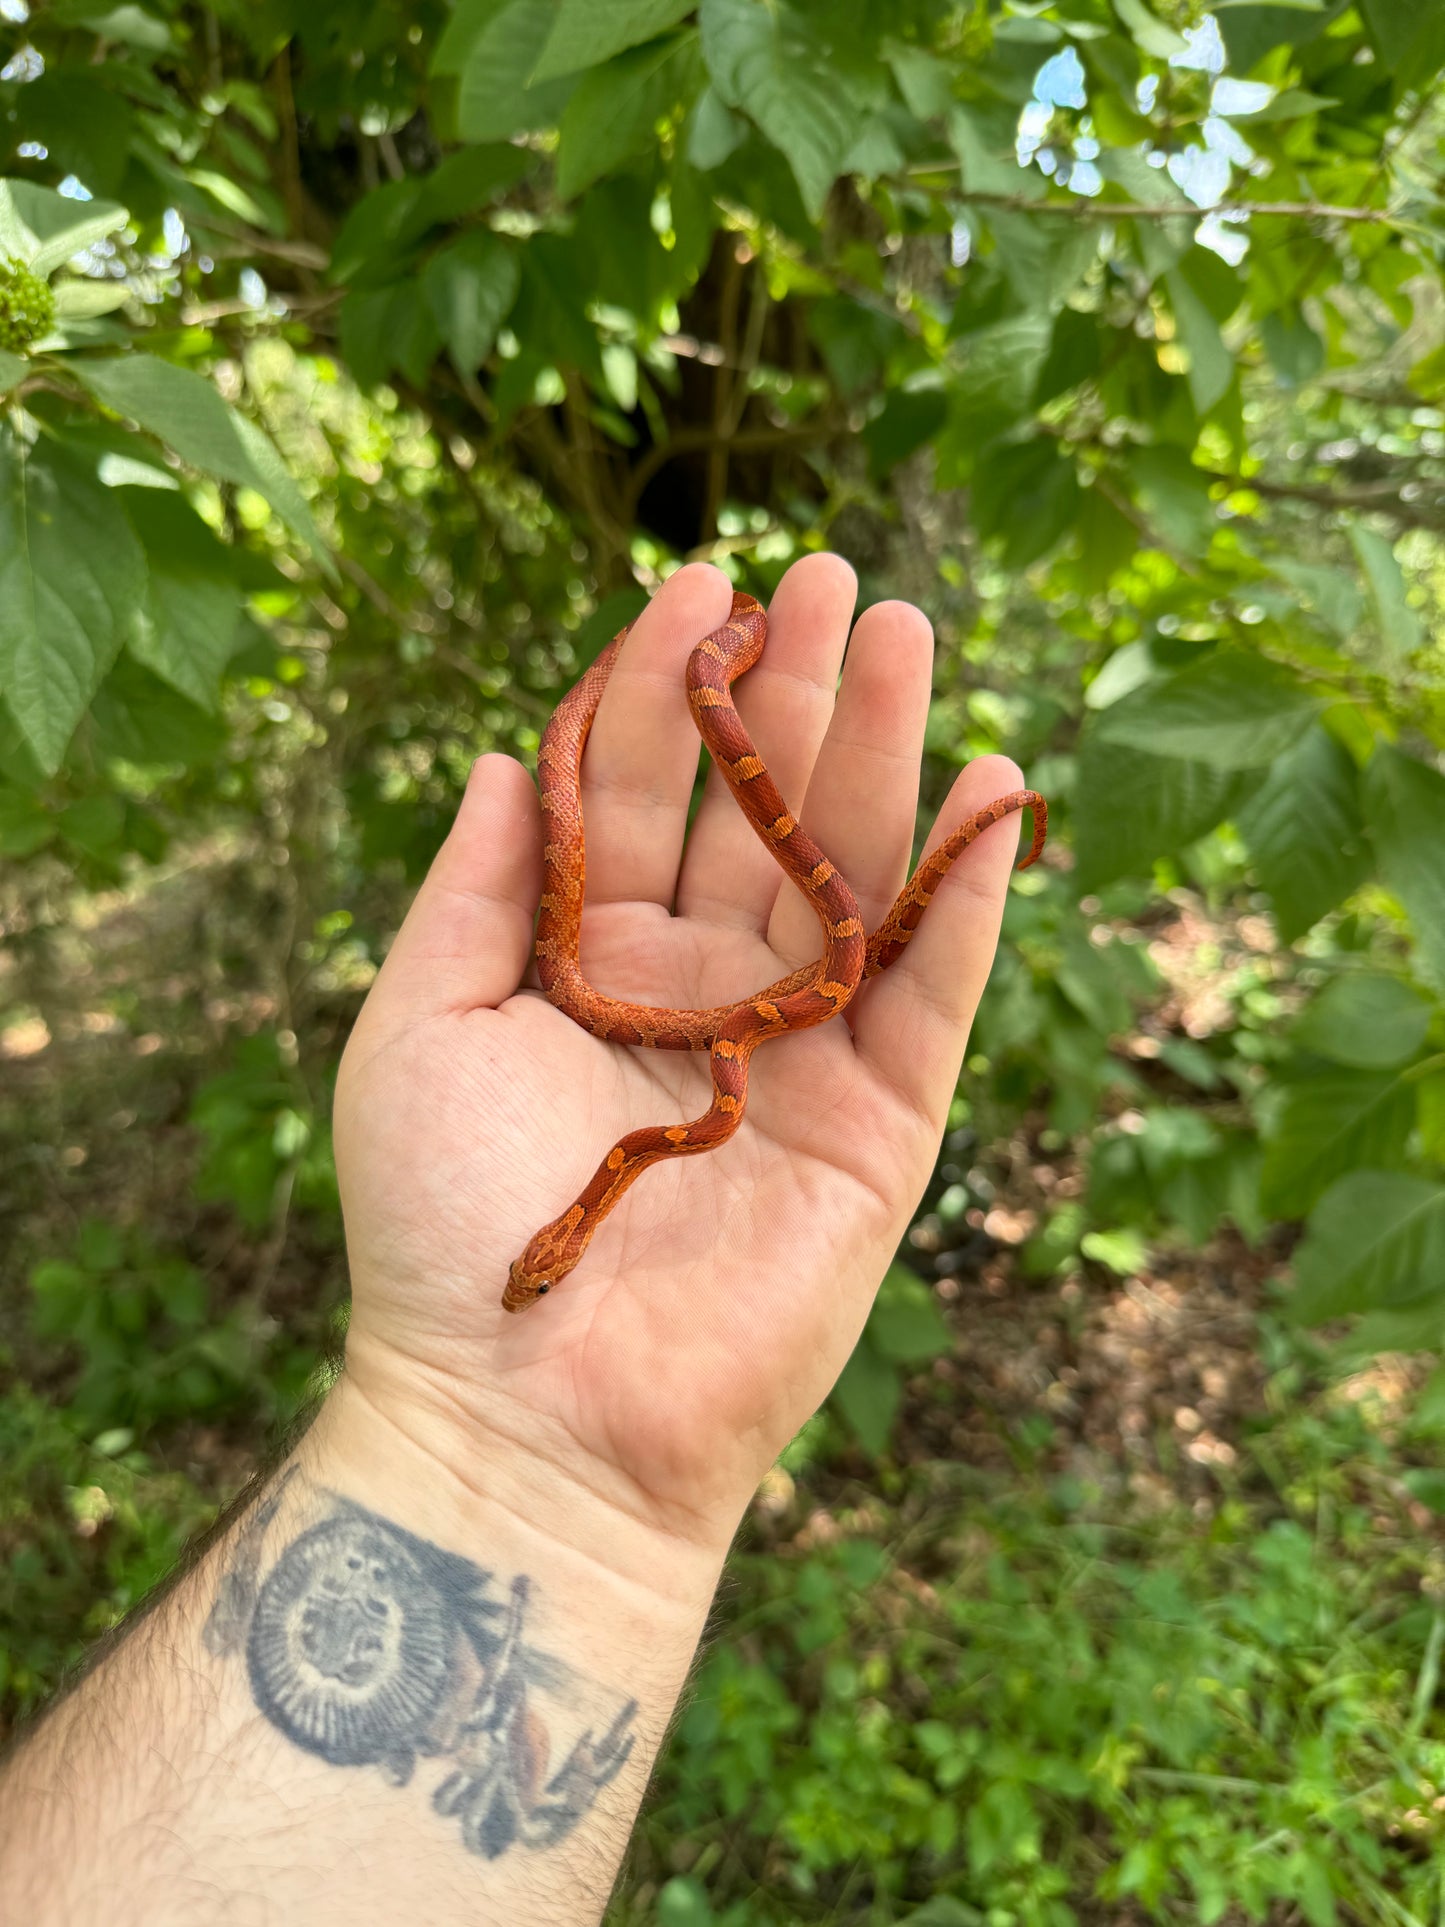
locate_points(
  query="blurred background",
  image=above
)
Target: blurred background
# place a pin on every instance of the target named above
(363, 369)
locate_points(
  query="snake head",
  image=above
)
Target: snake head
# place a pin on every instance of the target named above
(546, 1261)
(523, 1287)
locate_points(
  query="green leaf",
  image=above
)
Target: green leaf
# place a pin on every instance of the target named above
(100, 1246)
(187, 627)
(87, 126)
(492, 48)
(93, 824)
(12, 369)
(1105, 539)
(373, 230)
(71, 573)
(387, 328)
(1124, 1251)
(713, 131)
(1405, 808)
(1075, 354)
(683, 1903)
(1161, 242)
(1306, 833)
(1232, 709)
(470, 287)
(1250, 31)
(551, 312)
(925, 81)
(464, 182)
(1045, 260)
(1333, 1122)
(1174, 496)
(1089, 978)
(908, 418)
(229, 194)
(137, 716)
(1392, 26)
(78, 299)
(1210, 365)
(781, 84)
(614, 113)
(1376, 1239)
(587, 32)
(186, 412)
(856, 341)
(1027, 493)
(1398, 623)
(1130, 808)
(1295, 351)
(986, 157)
(24, 826)
(905, 1324)
(1332, 593)
(1150, 35)
(1366, 1019)
(129, 24)
(1427, 1484)
(43, 229)
(1129, 668)
(868, 1394)
(994, 373)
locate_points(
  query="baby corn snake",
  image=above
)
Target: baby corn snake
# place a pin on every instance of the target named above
(730, 1032)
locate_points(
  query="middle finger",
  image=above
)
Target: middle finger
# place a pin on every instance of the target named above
(785, 703)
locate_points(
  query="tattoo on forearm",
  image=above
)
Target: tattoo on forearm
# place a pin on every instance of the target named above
(371, 1647)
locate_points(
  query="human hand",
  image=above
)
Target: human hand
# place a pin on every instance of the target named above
(717, 1304)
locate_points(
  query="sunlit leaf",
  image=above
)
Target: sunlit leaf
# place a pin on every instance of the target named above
(189, 415)
(193, 600)
(470, 287)
(615, 110)
(1366, 1019)
(1306, 832)
(1332, 1122)
(71, 574)
(1232, 709)
(1405, 808)
(780, 84)
(1376, 1239)
(587, 32)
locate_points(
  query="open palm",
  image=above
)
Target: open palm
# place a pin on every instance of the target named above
(717, 1304)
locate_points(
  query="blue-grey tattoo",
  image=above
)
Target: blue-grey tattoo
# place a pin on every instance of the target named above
(371, 1647)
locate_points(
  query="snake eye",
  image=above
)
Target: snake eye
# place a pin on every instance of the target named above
(543, 1288)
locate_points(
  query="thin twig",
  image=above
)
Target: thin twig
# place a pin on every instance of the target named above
(302, 254)
(1084, 209)
(723, 384)
(692, 441)
(378, 597)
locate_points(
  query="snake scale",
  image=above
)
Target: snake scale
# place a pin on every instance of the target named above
(729, 1032)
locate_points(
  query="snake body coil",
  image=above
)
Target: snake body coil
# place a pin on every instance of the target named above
(730, 1032)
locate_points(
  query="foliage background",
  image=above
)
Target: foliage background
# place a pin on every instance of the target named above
(362, 370)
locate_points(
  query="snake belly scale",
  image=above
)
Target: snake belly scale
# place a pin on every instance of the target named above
(730, 1033)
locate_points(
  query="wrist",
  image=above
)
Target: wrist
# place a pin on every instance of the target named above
(381, 1692)
(510, 1488)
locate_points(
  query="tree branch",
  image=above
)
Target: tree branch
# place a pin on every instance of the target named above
(689, 441)
(1382, 498)
(1083, 209)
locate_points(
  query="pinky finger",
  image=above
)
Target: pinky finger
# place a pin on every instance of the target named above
(912, 1022)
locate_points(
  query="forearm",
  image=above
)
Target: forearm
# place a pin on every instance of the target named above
(381, 1695)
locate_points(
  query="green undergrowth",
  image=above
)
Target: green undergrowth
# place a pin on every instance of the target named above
(87, 1528)
(951, 1698)
(1013, 1704)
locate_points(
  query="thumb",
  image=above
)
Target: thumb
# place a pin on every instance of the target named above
(468, 936)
